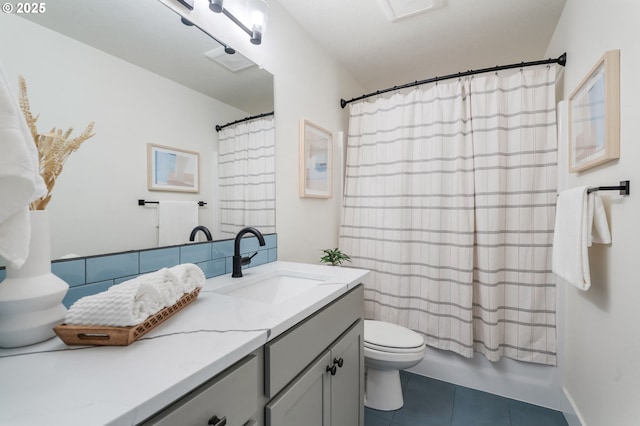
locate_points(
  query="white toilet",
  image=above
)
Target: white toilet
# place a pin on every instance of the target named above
(388, 348)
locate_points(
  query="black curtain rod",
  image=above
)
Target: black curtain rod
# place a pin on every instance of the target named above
(266, 114)
(561, 60)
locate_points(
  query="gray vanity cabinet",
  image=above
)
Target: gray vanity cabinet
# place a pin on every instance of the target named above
(310, 375)
(306, 401)
(329, 391)
(347, 384)
(325, 394)
(229, 399)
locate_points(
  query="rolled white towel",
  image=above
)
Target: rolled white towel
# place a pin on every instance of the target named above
(133, 301)
(123, 305)
(190, 276)
(167, 284)
(164, 281)
(128, 303)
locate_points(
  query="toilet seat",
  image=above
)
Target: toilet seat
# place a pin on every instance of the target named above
(393, 350)
(393, 338)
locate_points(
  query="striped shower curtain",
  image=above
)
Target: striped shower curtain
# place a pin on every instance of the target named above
(246, 175)
(449, 201)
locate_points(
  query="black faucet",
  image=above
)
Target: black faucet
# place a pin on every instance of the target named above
(204, 229)
(239, 261)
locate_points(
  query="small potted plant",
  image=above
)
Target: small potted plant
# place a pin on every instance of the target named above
(334, 256)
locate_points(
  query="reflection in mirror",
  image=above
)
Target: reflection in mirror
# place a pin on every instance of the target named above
(247, 176)
(143, 77)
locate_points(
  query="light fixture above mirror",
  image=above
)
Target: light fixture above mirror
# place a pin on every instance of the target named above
(256, 10)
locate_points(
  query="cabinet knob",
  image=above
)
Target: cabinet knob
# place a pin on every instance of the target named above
(338, 361)
(215, 421)
(332, 369)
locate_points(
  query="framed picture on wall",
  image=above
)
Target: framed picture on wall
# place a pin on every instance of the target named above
(594, 115)
(315, 161)
(172, 169)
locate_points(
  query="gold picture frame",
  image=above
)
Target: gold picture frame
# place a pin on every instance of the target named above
(172, 169)
(594, 115)
(316, 161)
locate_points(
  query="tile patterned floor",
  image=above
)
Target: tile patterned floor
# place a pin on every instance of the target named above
(430, 402)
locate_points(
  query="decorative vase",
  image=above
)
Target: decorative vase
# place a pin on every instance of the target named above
(31, 296)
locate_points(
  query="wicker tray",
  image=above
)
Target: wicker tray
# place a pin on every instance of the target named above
(120, 336)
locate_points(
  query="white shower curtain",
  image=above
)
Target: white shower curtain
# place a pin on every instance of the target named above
(449, 200)
(246, 175)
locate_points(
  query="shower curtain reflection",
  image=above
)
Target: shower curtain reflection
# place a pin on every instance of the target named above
(449, 200)
(246, 176)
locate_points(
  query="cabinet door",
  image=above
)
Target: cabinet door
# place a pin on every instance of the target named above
(347, 385)
(232, 396)
(290, 353)
(305, 401)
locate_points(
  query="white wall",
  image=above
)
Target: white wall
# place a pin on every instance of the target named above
(308, 84)
(602, 338)
(93, 208)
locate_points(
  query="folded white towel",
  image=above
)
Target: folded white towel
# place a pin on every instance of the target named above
(598, 218)
(20, 180)
(580, 220)
(189, 276)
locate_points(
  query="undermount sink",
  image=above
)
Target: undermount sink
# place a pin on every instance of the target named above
(275, 287)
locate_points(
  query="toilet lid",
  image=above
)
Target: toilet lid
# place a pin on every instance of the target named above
(385, 334)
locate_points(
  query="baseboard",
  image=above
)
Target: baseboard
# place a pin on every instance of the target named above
(570, 410)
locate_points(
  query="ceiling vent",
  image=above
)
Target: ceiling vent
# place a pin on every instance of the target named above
(234, 62)
(400, 9)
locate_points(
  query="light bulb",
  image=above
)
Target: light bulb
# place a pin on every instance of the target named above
(258, 12)
(216, 5)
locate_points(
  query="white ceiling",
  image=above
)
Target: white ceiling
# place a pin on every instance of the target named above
(150, 35)
(461, 35)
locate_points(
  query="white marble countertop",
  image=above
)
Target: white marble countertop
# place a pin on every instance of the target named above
(55, 384)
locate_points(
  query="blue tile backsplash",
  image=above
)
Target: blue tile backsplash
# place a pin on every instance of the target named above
(90, 275)
(152, 260)
(102, 268)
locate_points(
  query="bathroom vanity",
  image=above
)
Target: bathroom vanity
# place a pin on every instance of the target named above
(257, 350)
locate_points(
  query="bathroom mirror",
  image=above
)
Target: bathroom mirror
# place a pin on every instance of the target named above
(152, 79)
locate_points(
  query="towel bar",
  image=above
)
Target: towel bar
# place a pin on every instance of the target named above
(624, 188)
(143, 202)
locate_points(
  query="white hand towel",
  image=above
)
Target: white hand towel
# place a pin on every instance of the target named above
(176, 221)
(580, 220)
(189, 275)
(20, 180)
(598, 217)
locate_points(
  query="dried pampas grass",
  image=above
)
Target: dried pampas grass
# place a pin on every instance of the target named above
(53, 147)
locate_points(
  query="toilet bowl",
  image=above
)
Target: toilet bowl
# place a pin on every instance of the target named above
(388, 348)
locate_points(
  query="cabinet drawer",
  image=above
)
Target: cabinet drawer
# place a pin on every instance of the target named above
(287, 355)
(232, 394)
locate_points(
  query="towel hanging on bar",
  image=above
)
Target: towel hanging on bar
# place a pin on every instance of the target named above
(580, 221)
(142, 202)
